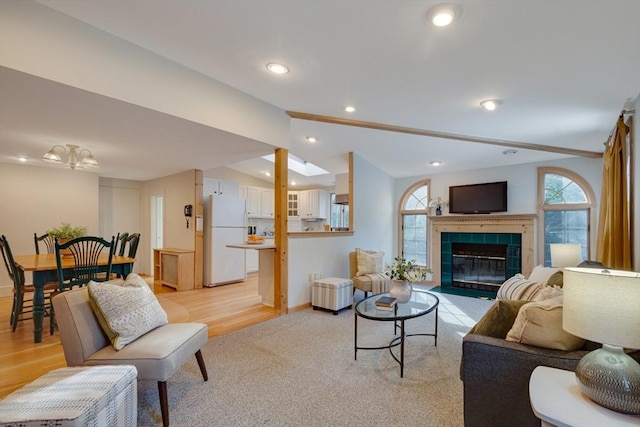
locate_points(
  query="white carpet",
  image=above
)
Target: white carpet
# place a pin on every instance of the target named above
(299, 370)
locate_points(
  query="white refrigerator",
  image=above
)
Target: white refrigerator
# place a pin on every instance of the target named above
(225, 224)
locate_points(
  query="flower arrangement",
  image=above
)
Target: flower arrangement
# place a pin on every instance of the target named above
(438, 203)
(67, 231)
(407, 270)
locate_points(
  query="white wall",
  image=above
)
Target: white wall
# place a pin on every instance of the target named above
(35, 199)
(373, 209)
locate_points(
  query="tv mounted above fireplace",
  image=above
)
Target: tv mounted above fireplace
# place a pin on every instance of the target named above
(478, 198)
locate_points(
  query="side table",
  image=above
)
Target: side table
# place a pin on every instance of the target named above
(557, 400)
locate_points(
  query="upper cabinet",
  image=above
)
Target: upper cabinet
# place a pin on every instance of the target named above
(292, 204)
(267, 204)
(313, 204)
(220, 187)
(260, 202)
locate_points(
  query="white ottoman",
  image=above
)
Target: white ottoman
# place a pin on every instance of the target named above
(79, 396)
(332, 293)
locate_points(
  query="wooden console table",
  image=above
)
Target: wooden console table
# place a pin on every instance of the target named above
(174, 267)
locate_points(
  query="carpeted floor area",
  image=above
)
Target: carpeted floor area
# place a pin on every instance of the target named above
(300, 370)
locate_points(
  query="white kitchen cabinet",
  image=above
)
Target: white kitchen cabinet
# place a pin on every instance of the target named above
(253, 202)
(260, 202)
(221, 186)
(267, 204)
(313, 204)
(292, 203)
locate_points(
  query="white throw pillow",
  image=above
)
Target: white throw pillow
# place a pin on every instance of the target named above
(369, 262)
(127, 311)
(548, 292)
(541, 274)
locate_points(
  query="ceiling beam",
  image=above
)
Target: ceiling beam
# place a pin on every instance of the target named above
(445, 135)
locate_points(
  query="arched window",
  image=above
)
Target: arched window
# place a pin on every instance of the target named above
(566, 209)
(413, 215)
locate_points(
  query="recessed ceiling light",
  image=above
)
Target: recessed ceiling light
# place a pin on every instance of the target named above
(509, 152)
(277, 68)
(490, 104)
(436, 163)
(267, 173)
(22, 159)
(293, 183)
(311, 139)
(349, 109)
(444, 14)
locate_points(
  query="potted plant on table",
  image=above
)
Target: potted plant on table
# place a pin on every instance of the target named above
(404, 273)
(66, 232)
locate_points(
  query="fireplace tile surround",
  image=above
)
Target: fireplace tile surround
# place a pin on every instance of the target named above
(498, 227)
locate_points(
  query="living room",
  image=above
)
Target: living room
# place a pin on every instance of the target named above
(376, 193)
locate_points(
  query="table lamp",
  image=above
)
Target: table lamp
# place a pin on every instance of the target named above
(565, 254)
(604, 306)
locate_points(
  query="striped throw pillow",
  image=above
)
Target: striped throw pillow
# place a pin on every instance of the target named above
(518, 288)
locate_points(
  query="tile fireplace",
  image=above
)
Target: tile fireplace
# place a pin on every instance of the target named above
(488, 249)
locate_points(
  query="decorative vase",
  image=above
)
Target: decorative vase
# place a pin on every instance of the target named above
(438, 211)
(400, 290)
(65, 253)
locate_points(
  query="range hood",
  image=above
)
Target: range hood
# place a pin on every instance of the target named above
(341, 199)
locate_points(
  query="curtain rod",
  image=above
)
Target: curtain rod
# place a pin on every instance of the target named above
(622, 114)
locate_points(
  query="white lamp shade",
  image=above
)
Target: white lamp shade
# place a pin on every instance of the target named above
(602, 306)
(565, 254)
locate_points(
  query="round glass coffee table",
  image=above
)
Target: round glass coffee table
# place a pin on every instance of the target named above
(421, 303)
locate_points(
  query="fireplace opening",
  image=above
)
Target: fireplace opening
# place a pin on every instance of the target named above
(478, 266)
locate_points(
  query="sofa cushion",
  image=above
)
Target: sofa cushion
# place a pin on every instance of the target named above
(369, 262)
(517, 288)
(498, 320)
(126, 311)
(539, 323)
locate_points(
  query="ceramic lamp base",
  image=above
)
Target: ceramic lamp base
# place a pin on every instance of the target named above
(611, 378)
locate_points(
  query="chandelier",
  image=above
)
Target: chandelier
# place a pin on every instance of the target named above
(74, 159)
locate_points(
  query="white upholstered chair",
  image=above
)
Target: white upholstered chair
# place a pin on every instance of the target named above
(156, 354)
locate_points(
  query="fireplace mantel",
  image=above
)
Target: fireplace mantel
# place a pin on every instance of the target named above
(496, 223)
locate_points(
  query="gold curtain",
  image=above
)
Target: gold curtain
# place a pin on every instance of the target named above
(614, 245)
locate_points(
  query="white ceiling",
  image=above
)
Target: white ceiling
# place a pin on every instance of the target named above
(564, 70)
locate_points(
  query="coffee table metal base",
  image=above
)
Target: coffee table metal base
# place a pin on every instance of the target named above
(398, 339)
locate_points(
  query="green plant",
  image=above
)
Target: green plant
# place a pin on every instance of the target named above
(407, 270)
(67, 231)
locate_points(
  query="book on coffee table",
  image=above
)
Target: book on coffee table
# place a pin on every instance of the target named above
(386, 302)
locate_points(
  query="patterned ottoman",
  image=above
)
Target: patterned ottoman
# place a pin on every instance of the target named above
(79, 396)
(332, 293)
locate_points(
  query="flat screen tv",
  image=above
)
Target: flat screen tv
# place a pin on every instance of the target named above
(478, 198)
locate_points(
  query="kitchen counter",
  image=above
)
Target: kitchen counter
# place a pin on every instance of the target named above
(253, 246)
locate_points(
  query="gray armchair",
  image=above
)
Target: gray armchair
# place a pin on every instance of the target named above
(156, 355)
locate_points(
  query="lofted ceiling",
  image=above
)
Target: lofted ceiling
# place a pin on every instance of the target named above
(563, 70)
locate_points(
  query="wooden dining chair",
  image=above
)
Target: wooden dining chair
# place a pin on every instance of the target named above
(121, 243)
(22, 292)
(86, 252)
(46, 239)
(132, 241)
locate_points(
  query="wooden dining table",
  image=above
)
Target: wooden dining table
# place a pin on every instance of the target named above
(44, 268)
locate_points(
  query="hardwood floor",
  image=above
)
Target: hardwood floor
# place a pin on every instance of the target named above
(224, 309)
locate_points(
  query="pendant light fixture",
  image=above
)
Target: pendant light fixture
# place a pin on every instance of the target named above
(70, 156)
